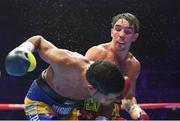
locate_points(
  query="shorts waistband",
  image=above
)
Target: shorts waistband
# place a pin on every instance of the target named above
(50, 92)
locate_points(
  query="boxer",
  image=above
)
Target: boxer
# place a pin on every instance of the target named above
(68, 80)
(124, 31)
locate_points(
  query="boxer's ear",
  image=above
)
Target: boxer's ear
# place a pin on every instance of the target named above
(135, 36)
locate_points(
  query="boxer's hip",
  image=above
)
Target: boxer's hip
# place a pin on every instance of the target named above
(40, 94)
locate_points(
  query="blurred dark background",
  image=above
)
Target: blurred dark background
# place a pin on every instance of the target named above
(79, 24)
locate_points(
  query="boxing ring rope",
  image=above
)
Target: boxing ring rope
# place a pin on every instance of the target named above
(12, 106)
(143, 106)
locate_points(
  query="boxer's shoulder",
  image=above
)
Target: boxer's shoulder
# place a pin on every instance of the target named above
(132, 59)
(95, 52)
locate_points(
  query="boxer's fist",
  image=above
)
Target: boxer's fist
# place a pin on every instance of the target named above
(20, 61)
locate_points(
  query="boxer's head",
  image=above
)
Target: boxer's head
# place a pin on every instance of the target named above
(132, 20)
(124, 31)
(106, 80)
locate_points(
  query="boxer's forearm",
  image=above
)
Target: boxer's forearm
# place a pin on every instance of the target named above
(40, 43)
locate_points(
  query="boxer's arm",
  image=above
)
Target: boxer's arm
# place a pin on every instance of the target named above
(129, 103)
(94, 53)
(43, 47)
(40, 43)
(129, 99)
(53, 55)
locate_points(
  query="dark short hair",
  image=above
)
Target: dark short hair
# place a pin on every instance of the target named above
(132, 19)
(106, 77)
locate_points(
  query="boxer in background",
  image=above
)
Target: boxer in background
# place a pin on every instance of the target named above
(124, 31)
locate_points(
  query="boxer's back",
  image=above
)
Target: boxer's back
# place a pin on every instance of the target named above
(67, 75)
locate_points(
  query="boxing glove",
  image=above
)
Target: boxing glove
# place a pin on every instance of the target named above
(20, 60)
(137, 113)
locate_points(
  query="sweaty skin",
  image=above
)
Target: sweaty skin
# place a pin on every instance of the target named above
(66, 73)
(117, 51)
(130, 66)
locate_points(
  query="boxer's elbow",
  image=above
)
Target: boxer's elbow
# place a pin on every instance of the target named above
(36, 40)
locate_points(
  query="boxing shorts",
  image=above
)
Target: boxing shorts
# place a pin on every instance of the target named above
(43, 103)
(90, 109)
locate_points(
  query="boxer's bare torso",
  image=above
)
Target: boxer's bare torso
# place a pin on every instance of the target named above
(128, 64)
(66, 71)
(67, 78)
